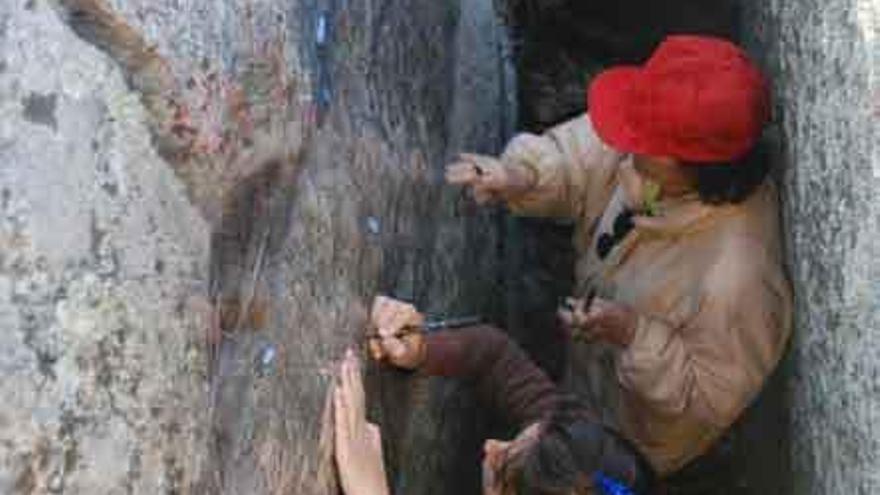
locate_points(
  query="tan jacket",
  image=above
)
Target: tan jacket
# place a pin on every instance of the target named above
(707, 281)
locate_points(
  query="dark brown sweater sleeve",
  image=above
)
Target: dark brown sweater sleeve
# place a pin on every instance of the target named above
(506, 379)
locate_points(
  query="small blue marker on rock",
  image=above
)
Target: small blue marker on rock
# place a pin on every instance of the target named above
(374, 226)
(266, 359)
(321, 29)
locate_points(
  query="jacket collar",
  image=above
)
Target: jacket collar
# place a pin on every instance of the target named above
(689, 214)
(678, 215)
(672, 215)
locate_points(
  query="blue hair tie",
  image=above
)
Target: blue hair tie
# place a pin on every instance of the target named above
(610, 486)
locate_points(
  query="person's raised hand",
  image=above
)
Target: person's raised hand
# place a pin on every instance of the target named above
(358, 443)
(486, 176)
(397, 338)
(603, 320)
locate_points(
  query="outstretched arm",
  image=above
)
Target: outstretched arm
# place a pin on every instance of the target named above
(507, 380)
(565, 172)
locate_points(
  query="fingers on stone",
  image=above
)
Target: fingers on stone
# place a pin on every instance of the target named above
(340, 413)
(379, 302)
(375, 435)
(472, 158)
(461, 173)
(375, 349)
(353, 372)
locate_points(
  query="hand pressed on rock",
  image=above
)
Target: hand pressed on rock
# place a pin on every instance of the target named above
(358, 443)
(604, 320)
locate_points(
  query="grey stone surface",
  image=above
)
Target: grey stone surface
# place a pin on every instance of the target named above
(171, 321)
(825, 57)
(102, 262)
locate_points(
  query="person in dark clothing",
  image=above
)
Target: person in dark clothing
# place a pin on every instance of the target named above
(562, 448)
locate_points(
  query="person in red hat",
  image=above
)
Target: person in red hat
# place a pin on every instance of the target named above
(680, 278)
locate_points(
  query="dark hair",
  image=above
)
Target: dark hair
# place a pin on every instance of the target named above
(571, 447)
(731, 182)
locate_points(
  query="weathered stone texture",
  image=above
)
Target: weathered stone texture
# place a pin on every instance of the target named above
(825, 57)
(102, 263)
(369, 214)
(173, 310)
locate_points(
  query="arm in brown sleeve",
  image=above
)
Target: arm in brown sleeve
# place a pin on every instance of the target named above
(505, 377)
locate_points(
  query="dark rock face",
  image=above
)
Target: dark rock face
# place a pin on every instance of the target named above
(368, 214)
(824, 60)
(560, 44)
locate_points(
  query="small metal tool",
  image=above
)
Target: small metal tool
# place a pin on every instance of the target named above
(431, 326)
(587, 302)
(576, 331)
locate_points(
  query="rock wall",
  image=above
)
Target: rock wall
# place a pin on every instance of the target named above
(199, 200)
(369, 214)
(825, 57)
(103, 276)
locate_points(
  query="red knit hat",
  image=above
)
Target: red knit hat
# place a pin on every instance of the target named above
(698, 99)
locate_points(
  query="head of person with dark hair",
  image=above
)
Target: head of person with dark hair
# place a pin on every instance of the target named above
(731, 183)
(569, 453)
(715, 183)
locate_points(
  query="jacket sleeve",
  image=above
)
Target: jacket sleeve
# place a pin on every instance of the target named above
(712, 366)
(573, 170)
(506, 379)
